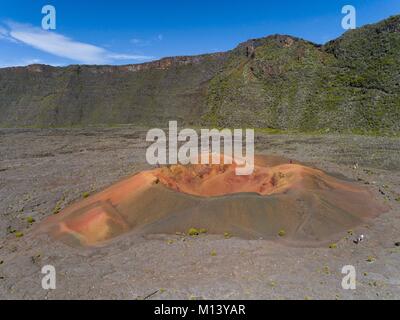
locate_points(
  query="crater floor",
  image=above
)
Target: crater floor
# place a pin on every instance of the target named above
(43, 172)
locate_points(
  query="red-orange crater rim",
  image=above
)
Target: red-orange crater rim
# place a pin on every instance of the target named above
(310, 205)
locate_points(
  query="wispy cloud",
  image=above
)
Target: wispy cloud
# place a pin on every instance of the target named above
(20, 63)
(140, 42)
(5, 35)
(146, 42)
(3, 32)
(31, 61)
(62, 46)
(119, 56)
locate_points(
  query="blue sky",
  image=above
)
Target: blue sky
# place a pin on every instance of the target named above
(123, 31)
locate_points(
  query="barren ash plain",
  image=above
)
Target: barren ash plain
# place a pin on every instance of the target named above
(43, 171)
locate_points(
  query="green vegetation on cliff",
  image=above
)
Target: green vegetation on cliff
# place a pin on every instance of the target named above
(278, 83)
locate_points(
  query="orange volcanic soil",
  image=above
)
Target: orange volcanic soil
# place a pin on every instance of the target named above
(218, 180)
(311, 206)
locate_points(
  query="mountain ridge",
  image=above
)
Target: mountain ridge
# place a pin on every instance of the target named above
(278, 81)
(184, 59)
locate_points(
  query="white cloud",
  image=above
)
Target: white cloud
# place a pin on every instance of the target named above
(3, 32)
(62, 46)
(117, 56)
(4, 35)
(32, 61)
(144, 43)
(140, 42)
(136, 41)
(20, 63)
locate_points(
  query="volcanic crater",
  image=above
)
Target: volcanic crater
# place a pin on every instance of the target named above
(281, 200)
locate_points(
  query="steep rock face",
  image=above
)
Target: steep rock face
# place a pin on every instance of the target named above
(351, 83)
(150, 93)
(273, 83)
(369, 73)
